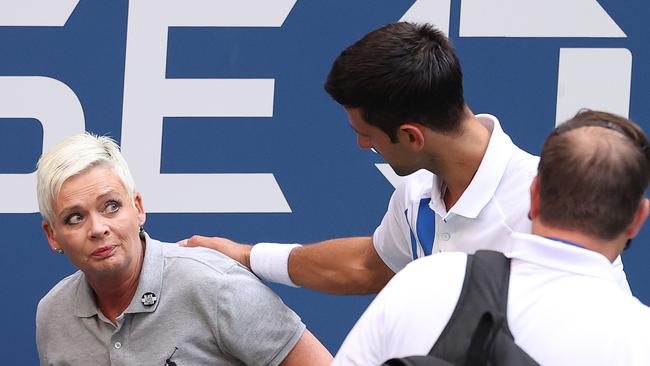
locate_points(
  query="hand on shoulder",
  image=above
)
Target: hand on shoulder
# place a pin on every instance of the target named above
(236, 251)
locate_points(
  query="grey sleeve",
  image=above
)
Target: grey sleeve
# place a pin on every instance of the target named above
(254, 325)
(40, 337)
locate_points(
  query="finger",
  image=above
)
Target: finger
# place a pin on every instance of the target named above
(194, 241)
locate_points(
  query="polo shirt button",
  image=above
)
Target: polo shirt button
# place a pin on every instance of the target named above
(118, 345)
(445, 236)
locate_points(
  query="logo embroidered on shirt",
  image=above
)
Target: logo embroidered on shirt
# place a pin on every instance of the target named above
(168, 361)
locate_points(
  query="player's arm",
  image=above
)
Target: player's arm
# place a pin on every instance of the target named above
(338, 266)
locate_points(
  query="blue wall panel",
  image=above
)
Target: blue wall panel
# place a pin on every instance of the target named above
(332, 187)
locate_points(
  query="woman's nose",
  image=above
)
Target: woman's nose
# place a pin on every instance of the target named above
(98, 226)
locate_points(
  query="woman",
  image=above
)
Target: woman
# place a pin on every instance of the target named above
(137, 301)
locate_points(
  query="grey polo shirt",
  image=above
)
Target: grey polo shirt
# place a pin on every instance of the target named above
(208, 310)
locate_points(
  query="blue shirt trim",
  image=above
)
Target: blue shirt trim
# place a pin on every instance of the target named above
(426, 226)
(414, 244)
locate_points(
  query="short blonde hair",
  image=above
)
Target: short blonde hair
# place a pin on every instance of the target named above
(74, 156)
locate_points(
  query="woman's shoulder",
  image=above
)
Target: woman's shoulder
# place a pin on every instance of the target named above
(61, 296)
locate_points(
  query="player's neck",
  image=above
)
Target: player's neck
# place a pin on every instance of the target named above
(459, 157)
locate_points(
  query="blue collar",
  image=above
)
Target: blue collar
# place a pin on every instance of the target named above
(565, 241)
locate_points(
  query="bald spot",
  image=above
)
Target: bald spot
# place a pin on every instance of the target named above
(604, 147)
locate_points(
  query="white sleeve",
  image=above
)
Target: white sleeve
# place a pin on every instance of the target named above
(621, 278)
(392, 238)
(407, 316)
(364, 345)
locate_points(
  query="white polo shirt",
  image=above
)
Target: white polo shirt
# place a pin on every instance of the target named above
(565, 307)
(495, 204)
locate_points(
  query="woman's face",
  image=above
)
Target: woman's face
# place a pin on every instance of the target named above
(96, 224)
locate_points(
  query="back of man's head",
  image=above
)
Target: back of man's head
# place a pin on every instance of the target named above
(401, 73)
(593, 173)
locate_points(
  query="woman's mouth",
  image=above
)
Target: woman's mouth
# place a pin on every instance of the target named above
(104, 251)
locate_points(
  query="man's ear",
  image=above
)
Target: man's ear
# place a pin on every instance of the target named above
(49, 234)
(413, 134)
(640, 216)
(534, 199)
(142, 215)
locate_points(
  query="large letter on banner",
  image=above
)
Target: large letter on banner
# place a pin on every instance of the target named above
(49, 101)
(149, 96)
(58, 109)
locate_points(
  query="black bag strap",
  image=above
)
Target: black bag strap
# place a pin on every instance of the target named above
(477, 332)
(485, 289)
(416, 361)
(482, 343)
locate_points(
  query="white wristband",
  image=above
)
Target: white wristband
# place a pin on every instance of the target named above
(270, 262)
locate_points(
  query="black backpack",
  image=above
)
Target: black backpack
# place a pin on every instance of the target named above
(477, 332)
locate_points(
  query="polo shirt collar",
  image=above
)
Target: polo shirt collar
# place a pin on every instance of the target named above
(486, 180)
(85, 300)
(561, 256)
(150, 281)
(150, 277)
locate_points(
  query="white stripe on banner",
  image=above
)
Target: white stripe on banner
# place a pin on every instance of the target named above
(596, 78)
(536, 18)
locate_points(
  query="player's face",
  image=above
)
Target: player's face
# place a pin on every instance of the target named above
(396, 154)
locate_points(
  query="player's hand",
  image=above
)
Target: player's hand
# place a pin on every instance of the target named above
(239, 252)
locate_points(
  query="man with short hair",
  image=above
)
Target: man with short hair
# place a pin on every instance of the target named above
(565, 306)
(401, 86)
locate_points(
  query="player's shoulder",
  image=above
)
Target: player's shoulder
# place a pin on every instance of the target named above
(518, 176)
(522, 163)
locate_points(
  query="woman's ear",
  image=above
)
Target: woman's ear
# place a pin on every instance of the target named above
(49, 234)
(142, 215)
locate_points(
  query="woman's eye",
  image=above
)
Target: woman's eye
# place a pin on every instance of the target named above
(73, 219)
(112, 206)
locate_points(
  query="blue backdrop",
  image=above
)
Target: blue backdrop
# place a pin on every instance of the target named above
(95, 63)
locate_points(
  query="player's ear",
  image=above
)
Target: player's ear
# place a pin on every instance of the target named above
(411, 133)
